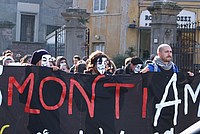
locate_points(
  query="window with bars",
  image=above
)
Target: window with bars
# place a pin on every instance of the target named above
(99, 6)
(99, 46)
(27, 28)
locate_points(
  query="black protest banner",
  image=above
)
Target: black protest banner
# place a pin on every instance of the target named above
(169, 98)
(39, 100)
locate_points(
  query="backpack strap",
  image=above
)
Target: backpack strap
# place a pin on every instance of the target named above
(155, 67)
(175, 68)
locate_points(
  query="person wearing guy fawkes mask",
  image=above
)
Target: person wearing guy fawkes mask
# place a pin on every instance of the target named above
(134, 66)
(98, 63)
(48, 120)
(104, 116)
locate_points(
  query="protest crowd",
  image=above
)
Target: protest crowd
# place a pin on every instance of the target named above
(94, 63)
(80, 64)
(99, 63)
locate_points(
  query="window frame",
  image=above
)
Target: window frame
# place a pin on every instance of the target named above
(99, 10)
(101, 45)
(27, 9)
(32, 28)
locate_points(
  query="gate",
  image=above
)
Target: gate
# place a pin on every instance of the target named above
(186, 52)
(56, 42)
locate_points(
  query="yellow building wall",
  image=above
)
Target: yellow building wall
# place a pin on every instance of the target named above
(112, 26)
(105, 25)
(132, 39)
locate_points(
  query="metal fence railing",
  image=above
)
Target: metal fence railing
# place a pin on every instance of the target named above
(56, 42)
(186, 52)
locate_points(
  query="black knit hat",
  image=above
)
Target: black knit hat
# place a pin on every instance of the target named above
(37, 55)
(136, 60)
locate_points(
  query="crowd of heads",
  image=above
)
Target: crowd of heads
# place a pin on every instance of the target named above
(96, 63)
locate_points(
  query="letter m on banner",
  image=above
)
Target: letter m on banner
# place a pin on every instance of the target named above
(194, 96)
(20, 88)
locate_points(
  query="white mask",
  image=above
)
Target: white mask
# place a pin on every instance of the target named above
(137, 68)
(45, 60)
(101, 65)
(63, 66)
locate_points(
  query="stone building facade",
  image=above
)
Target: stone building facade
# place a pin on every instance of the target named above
(27, 23)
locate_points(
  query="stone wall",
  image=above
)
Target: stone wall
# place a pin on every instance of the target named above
(25, 48)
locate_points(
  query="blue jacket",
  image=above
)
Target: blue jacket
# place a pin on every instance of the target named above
(153, 67)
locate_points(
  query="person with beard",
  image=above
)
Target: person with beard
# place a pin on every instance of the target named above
(163, 61)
